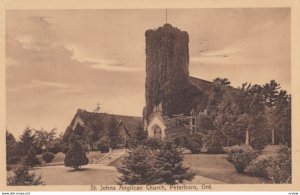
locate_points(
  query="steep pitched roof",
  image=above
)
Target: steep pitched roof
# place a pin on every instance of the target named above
(91, 119)
(201, 84)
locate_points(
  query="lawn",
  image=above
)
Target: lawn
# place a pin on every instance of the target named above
(215, 166)
(87, 175)
(59, 158)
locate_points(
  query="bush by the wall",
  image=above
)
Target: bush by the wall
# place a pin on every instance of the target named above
(280, 168)
(258, 167)
(31, 159)
(259, 142)
(48, 156)
(213, 142)
(241, 156)
(195, 143)
(22, 177)
(103, 144)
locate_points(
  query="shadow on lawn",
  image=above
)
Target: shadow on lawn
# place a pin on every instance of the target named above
(79, 170)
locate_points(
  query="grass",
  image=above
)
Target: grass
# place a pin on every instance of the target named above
(215, 166)
(87, 175)
(59, 158)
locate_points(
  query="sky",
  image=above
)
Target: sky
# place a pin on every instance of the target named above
(60, 60)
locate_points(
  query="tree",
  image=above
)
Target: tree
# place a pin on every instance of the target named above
(213, 142)
(26, 141)
(75, 156)
(195, 143)
(251, 104)
(30, 159)
(113, 131)
(137, 167)
(283, 118)
(103, 144)
(12, 155)
(168, 166)
(222, 81)
(21, 176)
(178, 130)
(139, 137)
(226, 120)
(44, 138)
(145, 165)
(48, 157)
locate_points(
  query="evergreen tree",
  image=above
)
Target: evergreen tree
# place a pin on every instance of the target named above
(168, 166)
(30, 159)
(21, 176)
(26, 141)
(75, 156)
(137, 167)
(11, 149)
(178, 130)
(139, 137)
(113, 131)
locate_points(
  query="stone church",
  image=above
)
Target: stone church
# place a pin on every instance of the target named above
(169, 88)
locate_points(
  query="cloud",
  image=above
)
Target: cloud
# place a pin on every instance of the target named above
(98, 63)
(41, 83)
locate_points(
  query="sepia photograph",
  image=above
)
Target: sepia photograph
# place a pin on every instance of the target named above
(169, 98)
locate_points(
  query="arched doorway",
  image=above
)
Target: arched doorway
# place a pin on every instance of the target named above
(157, 132)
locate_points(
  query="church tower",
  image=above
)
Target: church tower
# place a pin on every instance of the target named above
(167, 59)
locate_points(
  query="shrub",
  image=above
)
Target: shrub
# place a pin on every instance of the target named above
(48, 156)
(279, 170)
(259, 143)
(195, 143)
(213, 142)
(30, 159)
(21, 176)
(241, 156)
(56, 148)
(104, 144)
(64, 148)
(258, 167)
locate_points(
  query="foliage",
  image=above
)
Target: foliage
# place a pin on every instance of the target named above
(178, 130)
(26, 141)
(280, 168)
(258, 166)
(55, 148)
(44, 138)
(48, 156)
(75, 156)
(30, 159)
(137, 167)
(153, 143)
(204, 123)
(259, 142)
(168, 166)
(139, 137)
(241, 156)
(103, 144)
(12, 155)
(167, 73)
(195, 143)
(113, 131)
(213, 142)
(22, 176)
(145, 165)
